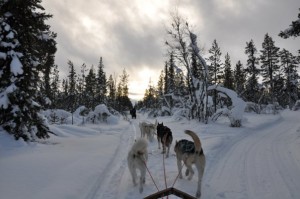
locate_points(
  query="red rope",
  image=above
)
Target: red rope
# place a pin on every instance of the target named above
(150, 175)
(165, 172)
(177, 175)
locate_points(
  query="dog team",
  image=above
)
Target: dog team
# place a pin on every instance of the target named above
(186, 151)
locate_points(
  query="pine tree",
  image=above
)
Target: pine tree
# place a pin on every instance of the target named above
(289, 65)
(72, 91)
(23, 36)
(171, 79)
(228, 76)
(269, 68)
(81, 82)
(171, 74)
(166, 79)
(252, 72)
(160, 88)
(122, 92)
(101, 82)
(196, 69)
(111, 91)
(150, 99)
(293, 30)
(215, 67)
(160, 84)
(239, 78)
(54, 87)
(90, 89)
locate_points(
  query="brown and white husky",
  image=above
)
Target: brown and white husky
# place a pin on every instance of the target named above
(190, 153)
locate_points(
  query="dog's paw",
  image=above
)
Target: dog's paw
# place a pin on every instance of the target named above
(141, 189)
(198, 194)
(187, 172)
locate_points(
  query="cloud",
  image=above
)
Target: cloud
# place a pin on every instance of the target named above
(131, 34)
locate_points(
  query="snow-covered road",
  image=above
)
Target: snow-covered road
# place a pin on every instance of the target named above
(260, 160)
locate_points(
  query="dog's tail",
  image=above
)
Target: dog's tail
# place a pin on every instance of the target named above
(140, 146)
(198, 146)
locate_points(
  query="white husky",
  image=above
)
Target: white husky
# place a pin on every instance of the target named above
(137, 159)
(148, 130)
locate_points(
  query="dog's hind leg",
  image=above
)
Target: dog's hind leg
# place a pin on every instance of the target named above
(168, 151)
(158, 140)
(200, 164)
(188, 162)
(179, 166)
(133, 175)
(142, 178)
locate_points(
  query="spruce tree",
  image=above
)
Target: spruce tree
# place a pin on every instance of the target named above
(293, 30)
(228, 76)
(239, 78)
(111, 91)
(101, 82)
(90, 89)
(289, 64)
(123, 99)
(23, 55)
(81, 82)
(166, 79)
(252, 72)
(72, 91)
(55, 92)
(215, 68)
(269, 59)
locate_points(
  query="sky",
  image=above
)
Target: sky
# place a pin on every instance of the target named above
(131, 34)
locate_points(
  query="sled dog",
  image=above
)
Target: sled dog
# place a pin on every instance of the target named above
(148, 130)
(136, 159)
(190, 153)
(164, 136)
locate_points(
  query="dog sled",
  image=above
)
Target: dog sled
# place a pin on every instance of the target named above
(170, 191)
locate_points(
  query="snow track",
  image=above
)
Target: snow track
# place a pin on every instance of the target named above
(255, 163)
(110, 180)
(260, 160)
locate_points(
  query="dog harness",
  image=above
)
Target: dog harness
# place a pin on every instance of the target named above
(187, 146)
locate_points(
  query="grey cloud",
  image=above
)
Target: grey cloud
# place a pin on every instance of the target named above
(127, 37)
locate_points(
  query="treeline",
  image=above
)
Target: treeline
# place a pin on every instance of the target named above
(29, 79)
(88, 88)
(269, 75)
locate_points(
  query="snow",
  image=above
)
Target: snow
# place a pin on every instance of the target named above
(16, 66)
(260, 160)
(2, 55)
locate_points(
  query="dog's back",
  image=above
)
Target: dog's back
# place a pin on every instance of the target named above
(139, 148)
(165, 137)
(136, 159)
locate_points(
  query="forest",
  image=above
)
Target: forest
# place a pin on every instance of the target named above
(195, 85)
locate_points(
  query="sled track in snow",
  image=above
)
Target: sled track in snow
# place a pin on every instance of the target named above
(108, 182)
(254, 163)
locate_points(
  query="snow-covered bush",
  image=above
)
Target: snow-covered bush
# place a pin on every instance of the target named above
(252, 107)
(296, 106)
(57, 116)
(236, 111)
(101, 114)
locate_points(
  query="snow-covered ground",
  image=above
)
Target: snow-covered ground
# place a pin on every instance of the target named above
(260, 160)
